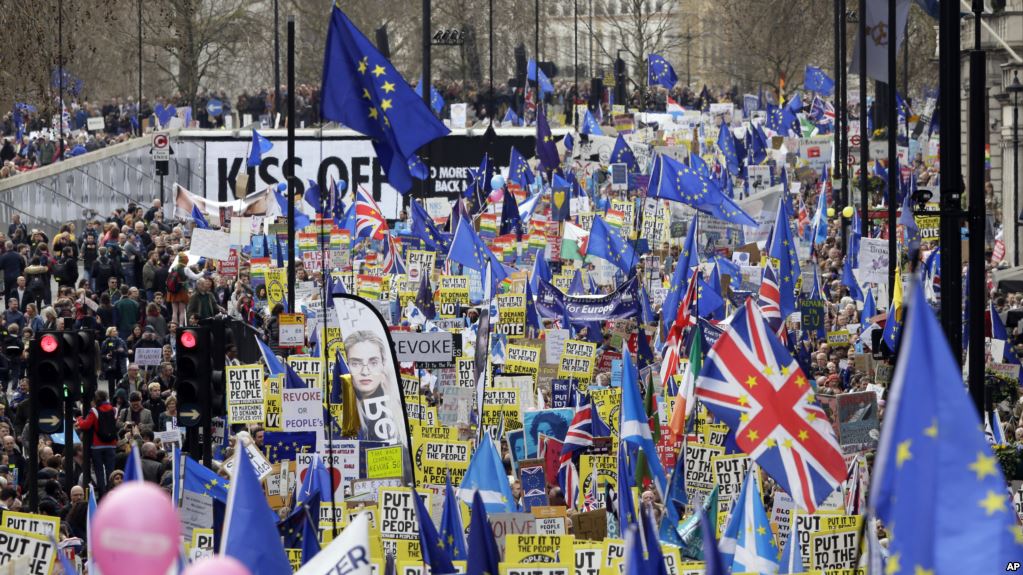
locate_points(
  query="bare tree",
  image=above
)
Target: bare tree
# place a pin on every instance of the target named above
(636, 28)
(769, 40)
(192, 39)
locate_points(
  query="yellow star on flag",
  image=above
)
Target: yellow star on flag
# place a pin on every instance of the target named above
(753, 435)
(803, 435)
(903, 454)
(919, 570)
(751, 381)
(932, 431)
(893, 566)
(388, 87)
(993, 503)
(379, 71)
(984, 466)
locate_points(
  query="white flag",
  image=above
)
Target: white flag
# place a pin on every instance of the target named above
(878, 35)
(348, 554)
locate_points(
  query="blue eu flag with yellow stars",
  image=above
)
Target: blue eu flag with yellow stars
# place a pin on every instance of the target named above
(518, 169)
(546, 149)
(660, 72)
(622, 154)
(815, 80)
(607, 244)
(202, 480)
(937, 485)
(363, 91)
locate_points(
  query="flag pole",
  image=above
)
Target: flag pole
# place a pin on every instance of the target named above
(324, 347)
(291, 161)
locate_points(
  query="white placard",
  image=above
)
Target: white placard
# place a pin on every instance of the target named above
(245, 393)
(259, 463)
(458, 115)
(95, 124)
(148, 356)
(211, 244)
(302, 409)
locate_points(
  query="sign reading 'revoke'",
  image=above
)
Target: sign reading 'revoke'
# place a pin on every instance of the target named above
(433, 347)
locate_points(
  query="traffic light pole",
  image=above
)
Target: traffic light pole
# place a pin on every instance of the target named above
(33, 436)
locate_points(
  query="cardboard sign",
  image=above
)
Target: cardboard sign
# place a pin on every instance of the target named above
(212, 244)
(302, 409)
(729, 473)
(31, 523)
(202, 544)
(41, 553)
(540, 549)
(590, 525)
(148, 356)
(245, 393)
(835, 548)
(384, 462)
(699, 468)
(259, 463)
(273, 407)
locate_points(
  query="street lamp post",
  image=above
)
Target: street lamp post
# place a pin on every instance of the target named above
(1014, 89)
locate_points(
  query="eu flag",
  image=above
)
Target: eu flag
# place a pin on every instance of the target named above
(675, 181)
(202, 480)
(422, 227)
(726, 143)
(199, 218)
(468, 249)
(511, 222)
(936, 483)
(660, 72)
(561, 206)
(590, 125)
(606, 243)
(433, 549)
(518, 169)
(546, 86)
(815, 80)
(260, 146)
(546, 149)
(622, 154)
(436, 100)
(782, 248)
(363, 91)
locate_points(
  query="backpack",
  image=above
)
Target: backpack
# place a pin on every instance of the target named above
(106, 427)
(174, 282)
(36, 284)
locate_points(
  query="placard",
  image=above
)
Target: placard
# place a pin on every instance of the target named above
(18, 545)
(384, 462)
(212, 244)
(31, 523)
(302, 409)
(245, 393)
(259, 463)
(291, 331)
(148, 356)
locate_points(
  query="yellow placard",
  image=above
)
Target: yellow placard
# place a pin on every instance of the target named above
(384, 462)
(531, 549)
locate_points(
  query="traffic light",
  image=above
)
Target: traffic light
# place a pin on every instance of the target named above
(88, 353)
(53, 376)
(220, 337)
(195, 371)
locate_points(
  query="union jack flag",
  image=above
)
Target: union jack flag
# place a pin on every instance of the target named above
(578, 437)
(769, 298)
(821, 111)
(369, 220)
(750, 382)
(392, 263)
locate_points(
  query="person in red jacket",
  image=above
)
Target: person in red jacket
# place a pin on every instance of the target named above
(101, 422)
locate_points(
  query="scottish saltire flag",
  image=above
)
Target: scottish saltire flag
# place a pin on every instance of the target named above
(782, 248)
(750, 382)
(748, 541)
(546, 86)
(815, 80)
(768, 298)
(260, 146)
(635, 427)
(932, 445)
(199, 219)
(892, 332)
(546, 149)
(622, 154)
(436, 100)
(660, 72)
(518, 169)
(590, 125)
(606, 243)
(486, 477)
(363, 91)
(820, 220)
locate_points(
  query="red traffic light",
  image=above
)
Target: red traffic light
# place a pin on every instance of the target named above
(188, 339)
(48, 343)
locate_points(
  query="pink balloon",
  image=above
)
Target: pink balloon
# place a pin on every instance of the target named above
(136, 531)
(219, 565)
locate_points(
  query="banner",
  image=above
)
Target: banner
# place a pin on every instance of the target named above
(374, 366)
(349, 553)
(623, 303)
